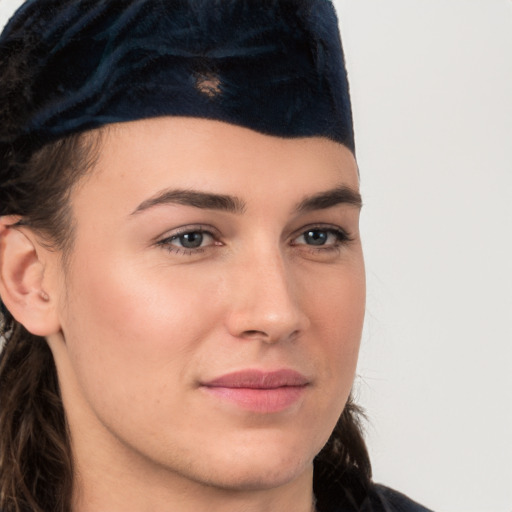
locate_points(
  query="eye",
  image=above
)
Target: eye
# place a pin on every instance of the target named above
(188, 241)
(316, 237)
(321, 237)
(191, 240)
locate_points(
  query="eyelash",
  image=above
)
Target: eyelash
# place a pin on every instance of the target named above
(167, 241)
(341, 238)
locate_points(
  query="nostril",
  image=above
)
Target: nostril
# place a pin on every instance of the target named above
(269, 338)
(253, 333)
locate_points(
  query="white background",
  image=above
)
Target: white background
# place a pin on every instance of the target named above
(432, 95)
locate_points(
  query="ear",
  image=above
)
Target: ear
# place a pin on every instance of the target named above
(22, 272)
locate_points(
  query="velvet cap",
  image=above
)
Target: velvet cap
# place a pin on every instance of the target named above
(275, 66)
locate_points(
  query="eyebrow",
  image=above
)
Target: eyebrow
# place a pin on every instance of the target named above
(203, 200)
(330, 198)
(233, 204)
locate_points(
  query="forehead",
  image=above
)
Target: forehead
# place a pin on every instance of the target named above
(137, 159)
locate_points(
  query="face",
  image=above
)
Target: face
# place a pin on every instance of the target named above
(212, 306)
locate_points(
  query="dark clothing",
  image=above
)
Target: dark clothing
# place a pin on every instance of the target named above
(350, 493)
(380, 499)
(388, 500)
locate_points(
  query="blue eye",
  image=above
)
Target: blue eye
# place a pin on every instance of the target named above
(191, 240)
(316, 237)
(321, 237)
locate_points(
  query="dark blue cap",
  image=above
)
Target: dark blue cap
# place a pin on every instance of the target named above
(275, 66)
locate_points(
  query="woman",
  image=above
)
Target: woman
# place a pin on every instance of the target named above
(181, 266)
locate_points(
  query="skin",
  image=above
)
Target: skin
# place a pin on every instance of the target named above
(137, 323)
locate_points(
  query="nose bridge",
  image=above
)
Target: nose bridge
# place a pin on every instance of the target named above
(267, 304)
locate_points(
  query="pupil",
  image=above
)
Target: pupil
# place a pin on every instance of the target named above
(191, 240)
(316, 237)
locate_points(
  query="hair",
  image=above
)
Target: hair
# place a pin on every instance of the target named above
(36, 469)
(36, 462)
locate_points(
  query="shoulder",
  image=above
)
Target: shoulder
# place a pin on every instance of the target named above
(384, 499)
(348, 491)
(377, 498)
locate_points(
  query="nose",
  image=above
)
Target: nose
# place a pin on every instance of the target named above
(266, 303)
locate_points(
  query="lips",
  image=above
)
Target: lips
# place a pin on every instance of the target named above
(259, 391)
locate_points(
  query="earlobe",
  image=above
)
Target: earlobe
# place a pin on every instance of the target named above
(22, 279)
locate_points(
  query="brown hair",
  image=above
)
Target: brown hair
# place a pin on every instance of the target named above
(36, 469)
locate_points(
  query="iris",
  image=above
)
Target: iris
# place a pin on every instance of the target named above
(191, 240)
(316, 237)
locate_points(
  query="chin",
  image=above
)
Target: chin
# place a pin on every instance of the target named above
(258, 464)
(260, 475)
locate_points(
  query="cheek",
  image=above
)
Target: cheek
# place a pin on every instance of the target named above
(337, 312)
(336, 302)
(132, 327)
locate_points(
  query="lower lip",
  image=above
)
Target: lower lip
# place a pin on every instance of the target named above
(259, 400)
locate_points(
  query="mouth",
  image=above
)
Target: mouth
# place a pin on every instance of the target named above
(259, 391)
